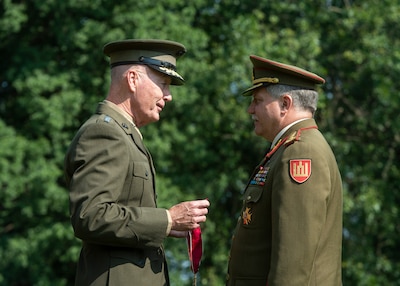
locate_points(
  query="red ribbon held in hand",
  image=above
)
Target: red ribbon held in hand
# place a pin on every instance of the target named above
(195, 248)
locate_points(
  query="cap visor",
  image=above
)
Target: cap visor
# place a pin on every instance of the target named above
(250, 90)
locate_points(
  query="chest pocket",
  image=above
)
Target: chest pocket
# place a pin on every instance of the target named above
(252, 212)
(141, 170)
(141, 186)
(252, 194)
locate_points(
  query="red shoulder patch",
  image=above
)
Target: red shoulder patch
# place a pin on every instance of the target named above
(300, 170)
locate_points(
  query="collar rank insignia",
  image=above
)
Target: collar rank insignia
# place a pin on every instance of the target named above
(261, 176)
(300, 170)
(246, 216)
(295, 136)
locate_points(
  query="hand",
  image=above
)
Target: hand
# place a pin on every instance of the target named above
(188, 215)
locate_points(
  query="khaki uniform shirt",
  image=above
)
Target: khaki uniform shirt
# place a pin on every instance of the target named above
(290, 228)
(113, 206)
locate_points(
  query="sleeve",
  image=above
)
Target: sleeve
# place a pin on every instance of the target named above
(102, 212)
(298, 216)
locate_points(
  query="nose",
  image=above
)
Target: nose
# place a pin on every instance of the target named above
(250, 109)
(167, 95)
(168, 98)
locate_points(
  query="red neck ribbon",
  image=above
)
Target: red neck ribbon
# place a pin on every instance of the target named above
(195, 248)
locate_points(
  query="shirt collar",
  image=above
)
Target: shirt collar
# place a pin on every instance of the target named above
(123, 113)
(280, 133)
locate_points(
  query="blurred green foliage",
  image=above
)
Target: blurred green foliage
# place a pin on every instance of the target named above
(53, 73)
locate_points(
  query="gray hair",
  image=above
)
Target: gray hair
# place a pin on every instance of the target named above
(305, 99)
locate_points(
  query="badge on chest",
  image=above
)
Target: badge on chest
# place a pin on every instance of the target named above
(246, 216)
(260, 177)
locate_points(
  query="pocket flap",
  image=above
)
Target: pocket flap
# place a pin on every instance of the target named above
(141, 169)
(253, 194)
(136, 256)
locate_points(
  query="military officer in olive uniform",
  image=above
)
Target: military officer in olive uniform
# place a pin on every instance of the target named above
(111, 175)
(290, 227)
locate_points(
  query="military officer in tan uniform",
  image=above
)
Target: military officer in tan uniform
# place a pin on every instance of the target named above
(111, 175)
(290, 227)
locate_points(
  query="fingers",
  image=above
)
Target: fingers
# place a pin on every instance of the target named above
(188, 215)
(196, 211)
(197, 208)
(199, 203)
(196, 220)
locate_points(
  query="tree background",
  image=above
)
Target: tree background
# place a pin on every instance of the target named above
(53, 73)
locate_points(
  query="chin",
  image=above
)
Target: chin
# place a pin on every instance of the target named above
(155, 119)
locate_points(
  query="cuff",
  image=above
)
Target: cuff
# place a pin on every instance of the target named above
(169, 222)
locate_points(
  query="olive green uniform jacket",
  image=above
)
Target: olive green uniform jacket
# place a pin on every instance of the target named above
(113, 204)
(290, 228)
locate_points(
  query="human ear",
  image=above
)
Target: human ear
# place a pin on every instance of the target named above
(286, 102)
(132, 77)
